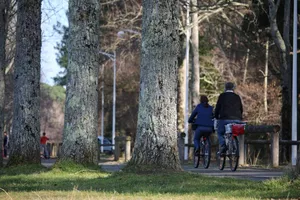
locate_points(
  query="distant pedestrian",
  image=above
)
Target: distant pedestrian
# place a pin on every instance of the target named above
(44, 146)
(5, 145)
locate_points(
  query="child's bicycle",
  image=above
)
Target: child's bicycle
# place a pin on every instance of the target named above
(232, 130)
(204, 154)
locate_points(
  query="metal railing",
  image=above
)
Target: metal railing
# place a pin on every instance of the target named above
(274, 141)
(121, 143)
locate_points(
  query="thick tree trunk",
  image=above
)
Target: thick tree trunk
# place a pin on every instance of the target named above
(284, 70)
(195, 49)
(286, 36)
(25, 138)
(156, 142)
(81, 110)
(2, 70)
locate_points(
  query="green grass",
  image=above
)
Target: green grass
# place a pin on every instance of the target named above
(70, 181)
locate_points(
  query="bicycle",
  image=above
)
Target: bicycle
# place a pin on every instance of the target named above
(232, 130)
(204, 152)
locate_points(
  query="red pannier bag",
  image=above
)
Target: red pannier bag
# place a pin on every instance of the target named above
(238, 129)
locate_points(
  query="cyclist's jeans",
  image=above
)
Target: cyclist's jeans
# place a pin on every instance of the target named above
(199, 132)
(221, 129)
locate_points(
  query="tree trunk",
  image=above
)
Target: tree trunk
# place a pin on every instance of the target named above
(246, 66)
(195, 49)
(81, 110)
(156, 142)
(284, 70)
(2, 72)
(266, 74)
(286, 36)
(25, 138)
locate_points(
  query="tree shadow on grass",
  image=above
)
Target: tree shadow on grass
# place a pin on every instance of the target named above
(181, 183)
(23, 169)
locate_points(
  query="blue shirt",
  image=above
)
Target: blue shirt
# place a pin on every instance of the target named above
(204, 115)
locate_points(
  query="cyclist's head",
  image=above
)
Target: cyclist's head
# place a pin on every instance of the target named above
(204, 100)
(229, 86)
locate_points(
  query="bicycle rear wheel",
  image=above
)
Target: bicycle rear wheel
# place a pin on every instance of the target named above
(221, 160)
(196, 159)
(234, 157)
(206, 153)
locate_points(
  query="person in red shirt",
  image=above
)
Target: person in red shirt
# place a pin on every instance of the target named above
(44, 146)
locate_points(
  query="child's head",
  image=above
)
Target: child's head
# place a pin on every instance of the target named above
(44, 134)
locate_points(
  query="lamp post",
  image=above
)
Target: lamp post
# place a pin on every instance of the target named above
(102, 110)
(294, 93)
(113, 58)
(114, 104)
(186, 110)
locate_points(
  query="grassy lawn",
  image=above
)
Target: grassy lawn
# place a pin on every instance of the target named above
(70, 181)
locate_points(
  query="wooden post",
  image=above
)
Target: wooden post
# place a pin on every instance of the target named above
(50, 149)
(275, 149)
(54, 150)
(246, 153)
(127, 148)
(242, 149)
(59, 149)
(117, 148)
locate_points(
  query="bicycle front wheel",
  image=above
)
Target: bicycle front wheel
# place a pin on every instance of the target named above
(206, 153)
(235, 155)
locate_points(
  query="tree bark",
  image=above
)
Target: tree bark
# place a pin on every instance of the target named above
(246, 66)
(81, 109)
(266, 74)
(156, 142)
(284, 70)
(195, 49)
(25, 138)
(2, 72)
(286, 36)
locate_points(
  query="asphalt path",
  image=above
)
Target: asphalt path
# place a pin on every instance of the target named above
(248, 173)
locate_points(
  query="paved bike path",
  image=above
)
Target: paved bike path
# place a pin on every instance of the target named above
(248, 173)
(256, 174)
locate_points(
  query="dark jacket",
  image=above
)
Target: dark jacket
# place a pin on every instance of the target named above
(204, 115)
(229, 107)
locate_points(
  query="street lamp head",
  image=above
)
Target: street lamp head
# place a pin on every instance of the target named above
(120, 34)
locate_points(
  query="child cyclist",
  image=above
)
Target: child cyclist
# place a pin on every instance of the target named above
(204, 121)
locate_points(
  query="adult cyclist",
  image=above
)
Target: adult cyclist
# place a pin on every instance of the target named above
(204, 123)
(229, 109)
